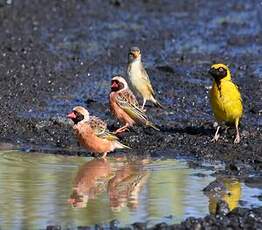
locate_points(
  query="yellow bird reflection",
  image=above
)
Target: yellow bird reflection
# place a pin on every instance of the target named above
(230, 194)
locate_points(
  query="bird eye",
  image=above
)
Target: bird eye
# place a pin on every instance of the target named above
(220, 69)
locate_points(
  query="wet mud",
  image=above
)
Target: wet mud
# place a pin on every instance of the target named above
(55, 55)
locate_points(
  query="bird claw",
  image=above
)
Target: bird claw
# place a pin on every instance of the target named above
(215, 138)
(117, 132)
(237, 140)
(143, 109)
(121, 130)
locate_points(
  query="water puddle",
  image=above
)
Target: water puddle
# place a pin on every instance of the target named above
(40, 189)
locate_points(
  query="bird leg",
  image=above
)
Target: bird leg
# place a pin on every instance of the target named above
(237, 138)
(122, 129)
(104, 155)
(215, 138)
(144, 102)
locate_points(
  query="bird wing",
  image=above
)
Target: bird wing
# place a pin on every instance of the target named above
(131, 107)
(145, 77)
(131, 97)
(226, 101)
(232, 98)
(238, 92)
(99, 127)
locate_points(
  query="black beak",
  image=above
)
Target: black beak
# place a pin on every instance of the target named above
(213, 72)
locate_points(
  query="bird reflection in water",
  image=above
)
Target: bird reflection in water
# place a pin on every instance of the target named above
(123, 189)
(91, 180)
(122, 179)
(226, 189)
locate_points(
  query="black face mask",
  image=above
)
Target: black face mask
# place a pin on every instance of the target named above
(120, 86)
(79, 117)
(218, 74)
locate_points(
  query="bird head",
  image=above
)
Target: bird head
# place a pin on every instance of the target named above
(79, 114)
(118, 83)
(134, 54)
(219, 72)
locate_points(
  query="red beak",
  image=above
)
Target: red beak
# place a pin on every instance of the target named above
(114, 85)
(71, 115)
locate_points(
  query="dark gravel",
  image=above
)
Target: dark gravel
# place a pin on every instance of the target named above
(58, 54)
(239, 218)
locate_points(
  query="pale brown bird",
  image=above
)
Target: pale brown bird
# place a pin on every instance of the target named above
(124, 106)
(92, 132)
(139, 77)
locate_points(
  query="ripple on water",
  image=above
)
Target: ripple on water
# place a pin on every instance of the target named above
(41, 189)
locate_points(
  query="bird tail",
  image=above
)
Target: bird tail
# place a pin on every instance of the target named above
(150, 124)
(121, 146)
(157, 103)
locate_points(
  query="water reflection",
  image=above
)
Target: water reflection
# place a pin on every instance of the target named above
(90, 181)
(226, 189)
(122, 180)
(123, 189)
(39, 189)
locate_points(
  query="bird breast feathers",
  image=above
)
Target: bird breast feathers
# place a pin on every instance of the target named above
(226, 101)
(227, 91)
(88, 138)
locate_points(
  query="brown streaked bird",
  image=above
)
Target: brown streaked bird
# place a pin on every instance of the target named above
(139, 77)
(92, 132)
(124, 106)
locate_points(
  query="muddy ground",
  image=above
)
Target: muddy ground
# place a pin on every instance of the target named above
(58, 54)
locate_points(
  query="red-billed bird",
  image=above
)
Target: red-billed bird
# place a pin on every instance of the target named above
(92, 132)
(124, 106)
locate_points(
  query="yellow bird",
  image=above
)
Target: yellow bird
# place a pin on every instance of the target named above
(225, 99)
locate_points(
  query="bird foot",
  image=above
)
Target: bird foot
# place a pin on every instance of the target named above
(215, 138)
(237, 139)
(121, 130)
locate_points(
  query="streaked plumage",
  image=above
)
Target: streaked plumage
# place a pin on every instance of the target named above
(124, 106)
(100, 128)
(92, 132)
(225, 99)
(139, 77)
